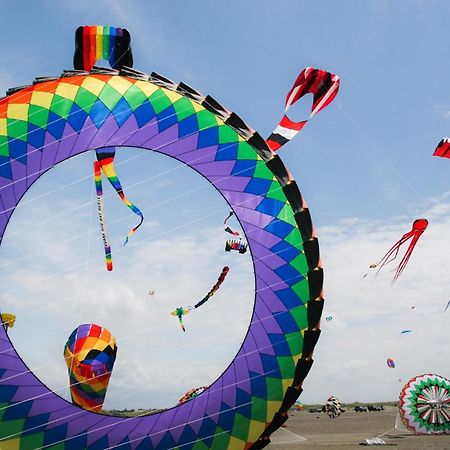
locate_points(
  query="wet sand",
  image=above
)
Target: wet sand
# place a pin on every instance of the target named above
(349, 429)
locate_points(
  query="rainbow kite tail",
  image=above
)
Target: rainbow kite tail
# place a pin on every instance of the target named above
(105, 158)
(137, 211)
(101, 215)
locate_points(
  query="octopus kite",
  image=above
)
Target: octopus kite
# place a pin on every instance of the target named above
(419, 226)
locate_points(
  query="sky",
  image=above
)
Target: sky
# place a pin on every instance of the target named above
(364, 166)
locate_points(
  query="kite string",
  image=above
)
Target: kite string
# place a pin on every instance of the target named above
(376, 148)
(86, 275)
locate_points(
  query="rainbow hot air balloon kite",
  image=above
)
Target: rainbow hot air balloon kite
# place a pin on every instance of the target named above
(92, 108)
(90, 353)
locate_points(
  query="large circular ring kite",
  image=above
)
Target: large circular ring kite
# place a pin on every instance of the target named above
(425, 404)
(55, 119)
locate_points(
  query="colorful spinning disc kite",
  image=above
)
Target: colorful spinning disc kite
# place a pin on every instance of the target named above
(425, 404)
(56, 118)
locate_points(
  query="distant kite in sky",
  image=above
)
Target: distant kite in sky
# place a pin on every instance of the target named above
(329, 318)
(405, 331)
(8, 320)
(192, 393)
(227, 228)
(419, 226)
(448, 304)
(180, 312)
(324, 87)
(236, 245)
(443, 148)
(390, 363)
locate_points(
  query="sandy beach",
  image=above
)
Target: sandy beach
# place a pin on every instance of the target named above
(348, 430)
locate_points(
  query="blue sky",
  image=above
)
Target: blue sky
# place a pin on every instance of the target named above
(364, 165)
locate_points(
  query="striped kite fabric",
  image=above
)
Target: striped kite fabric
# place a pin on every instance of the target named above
(323, 85)
(443, 148)
(90, 353)
(105, 157)
(95, 43)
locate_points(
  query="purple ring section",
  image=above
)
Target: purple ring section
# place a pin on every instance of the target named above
(153, 427)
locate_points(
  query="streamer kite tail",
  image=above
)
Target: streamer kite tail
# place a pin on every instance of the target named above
(227, 228)
(101, 216)
(105, 157)
(213, 290)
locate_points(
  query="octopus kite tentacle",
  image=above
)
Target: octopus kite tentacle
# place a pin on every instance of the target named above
(105, 157)
(419, 226)
(99, 191)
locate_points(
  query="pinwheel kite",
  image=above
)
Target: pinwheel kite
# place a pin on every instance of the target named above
(425, 404)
